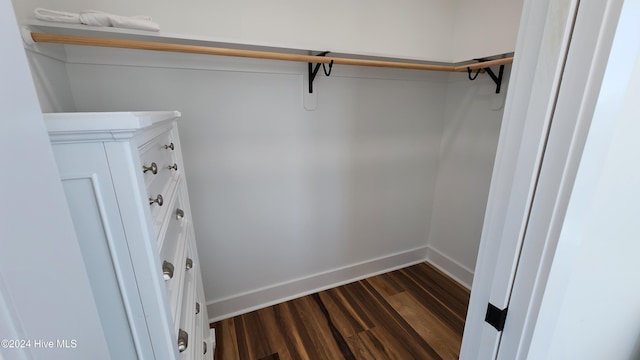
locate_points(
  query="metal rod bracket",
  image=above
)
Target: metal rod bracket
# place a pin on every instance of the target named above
(496, 78)
(314, 71)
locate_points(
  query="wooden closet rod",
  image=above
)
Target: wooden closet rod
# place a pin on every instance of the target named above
(484, 64)
(206, 50)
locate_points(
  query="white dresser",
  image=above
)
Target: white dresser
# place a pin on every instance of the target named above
(123, 177)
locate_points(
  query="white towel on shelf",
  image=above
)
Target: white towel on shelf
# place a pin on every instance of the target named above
(98, 18)
(57, 16)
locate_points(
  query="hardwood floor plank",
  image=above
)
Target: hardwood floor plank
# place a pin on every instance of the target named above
(452, 294)
(360, 348)
(442, 338)
(258, 334)
(412, 313)
(322, 343)
(252, 337)
(392, 322)
(364, 297)
(274, 356)
(274, 333)
(385, 285)
(351, 308)
(382, 344)
(295, 335)
(242, 335)
(430, 299)
(348, 321)
(337, 336)
(226, 339)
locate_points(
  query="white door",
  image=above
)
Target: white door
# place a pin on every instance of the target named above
(47, 309)
(560, 57)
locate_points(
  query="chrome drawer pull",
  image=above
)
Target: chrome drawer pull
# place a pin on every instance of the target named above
(167, 270)
(170, 146)
(189, 264)
(183, 340)
(204, 346)
(197, 308)
(173, 167)
(153, 168)
(179, 214)
(157, 200)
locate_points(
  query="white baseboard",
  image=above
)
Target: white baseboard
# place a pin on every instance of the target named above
(454, 269)
(277, 293)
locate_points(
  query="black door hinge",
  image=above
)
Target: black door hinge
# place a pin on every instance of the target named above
(496, 317)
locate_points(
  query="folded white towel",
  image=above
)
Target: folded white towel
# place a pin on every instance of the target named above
(98, 18)
(57, 16)
(134, 23)
(95, 18)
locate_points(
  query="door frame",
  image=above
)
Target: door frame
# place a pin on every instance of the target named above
(560, 60)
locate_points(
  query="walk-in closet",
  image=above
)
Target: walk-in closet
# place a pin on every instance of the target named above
(320, 151)
(306, 174)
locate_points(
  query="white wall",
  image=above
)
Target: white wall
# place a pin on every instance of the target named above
(434, 30)
(591, 303)
(471, 127)
(287, 200)
(415, 29)
(318, 197)
(44, 290)
(50, 78)
(485, 28)
(23, 9)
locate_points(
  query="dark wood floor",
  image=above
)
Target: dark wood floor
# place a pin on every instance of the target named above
(413, 313)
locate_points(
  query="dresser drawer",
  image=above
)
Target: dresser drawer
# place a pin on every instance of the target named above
(173, 227)
(175, 284)
(188, 311)
(159, 162)
(160, 168)
(201, 322)
(198, 343)
(163, 208)
(172, 239)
